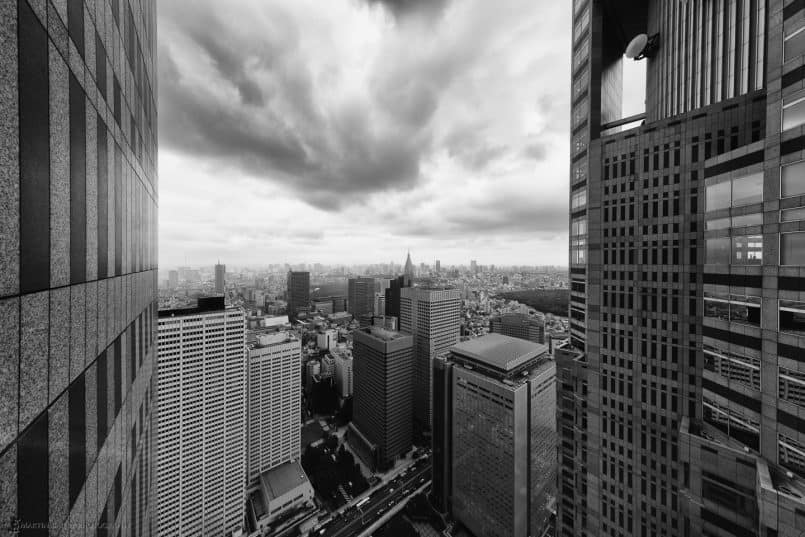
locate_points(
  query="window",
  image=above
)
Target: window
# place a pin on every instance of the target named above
(718, 196)
(746, 220)
(578, 200)
(792, 317)
(792, 179)
(717, 223)
(792, 248)
(792, 454)
(794, 44)
(792, 386)
(735, 193)
(792, 215)
(717, 251)
(793, 111)
(733, 366)
(747, 190)
(579, 227)
(734, 308)
(747, 250)
(577, 250)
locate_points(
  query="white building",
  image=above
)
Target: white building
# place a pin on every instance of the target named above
(343, 373)
(274, 402)
(201, 413)
(327, 339)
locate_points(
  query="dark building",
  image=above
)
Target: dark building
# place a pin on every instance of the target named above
(494, 437)
(685, 262)
(360, 296)
(220, 278)
(393, 296)
(381, 426)
(298, 293)
(78, 266)
(519, 325)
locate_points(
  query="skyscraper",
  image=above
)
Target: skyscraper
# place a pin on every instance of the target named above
(433, 317)
(520, 325)
(381, 426)
(173, 279)
(220, 278)
(298, 293)
(78, 266)
(273, 402)
(360, 296)
(685, 273)
(392, 298)
(201, 441)
(408, 272)
(474, 266)
(494, 438)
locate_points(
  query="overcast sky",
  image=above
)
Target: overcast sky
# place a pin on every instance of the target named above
(349, 131)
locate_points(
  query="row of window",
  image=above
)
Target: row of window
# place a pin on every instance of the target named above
(737, 250)
(748, 189)
(733, 308)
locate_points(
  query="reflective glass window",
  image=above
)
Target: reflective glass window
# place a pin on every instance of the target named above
(792, 215)
(754, 219)
(747, 190)
(792, 248)
(579, 227)
(747, 250)
(793, 114)
(578, 199)
(792, 317)
(717, 306)
(717, 223)
(794, 44)
(745, 309)
(792, 179)
(718, 251)
(718, 196)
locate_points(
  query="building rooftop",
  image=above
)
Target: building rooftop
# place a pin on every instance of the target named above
(499, 352)
(382, 333)
(207, 304)
(282, 479)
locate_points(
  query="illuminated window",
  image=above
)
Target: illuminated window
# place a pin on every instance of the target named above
(747, 250)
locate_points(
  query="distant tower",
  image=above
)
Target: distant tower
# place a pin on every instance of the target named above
(438, 266)
(409, 271)
(298, 293)
(220, 277)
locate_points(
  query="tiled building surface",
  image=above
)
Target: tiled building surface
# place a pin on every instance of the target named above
(78, 257)
(686, 256)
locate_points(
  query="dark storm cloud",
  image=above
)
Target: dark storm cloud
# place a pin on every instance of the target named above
(279, 127)
(406, 7)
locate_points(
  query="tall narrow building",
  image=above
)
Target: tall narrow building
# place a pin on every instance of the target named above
(686, 251)
(274, 397)
(201, 420)
(494, 438)
(408, 272)
(298, 293)
(78, 266)
(433, 317)
(220, 278)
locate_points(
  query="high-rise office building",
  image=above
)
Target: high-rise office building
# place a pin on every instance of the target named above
(380, 304)
(173, 279)
(360, 296)
(326, 339)
(433, 317)
(220, 278)
(438, 266)
(494, 438)
(273, 402)
(298, 293)
(78, 266)
(381, 427)
(520, 325)
(474, 266)
(201, 420)
(686, 248)
(392, 298)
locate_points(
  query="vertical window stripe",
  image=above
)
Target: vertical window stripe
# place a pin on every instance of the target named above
(78, 183)
(77, 465)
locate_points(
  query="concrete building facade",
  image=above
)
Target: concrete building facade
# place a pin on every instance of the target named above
(360, 295)
(685, 264)
(201, 420)
(433, 317)
(381, 426)
(220, 280)
(495, 447)
(273, 409)
(519, 325)
(298, 293)
(78, 265)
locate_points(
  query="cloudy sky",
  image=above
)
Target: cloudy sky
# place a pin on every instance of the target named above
(349, 131)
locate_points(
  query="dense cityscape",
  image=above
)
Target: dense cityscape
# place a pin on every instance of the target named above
(651, 386)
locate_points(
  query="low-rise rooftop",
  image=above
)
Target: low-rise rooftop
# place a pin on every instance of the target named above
(499, 352)
(282, 479)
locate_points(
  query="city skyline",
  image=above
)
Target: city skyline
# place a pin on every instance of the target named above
(445, 125)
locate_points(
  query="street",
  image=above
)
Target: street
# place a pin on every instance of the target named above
(361, 516)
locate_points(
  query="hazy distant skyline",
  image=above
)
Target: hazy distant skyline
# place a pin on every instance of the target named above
(353, 130)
